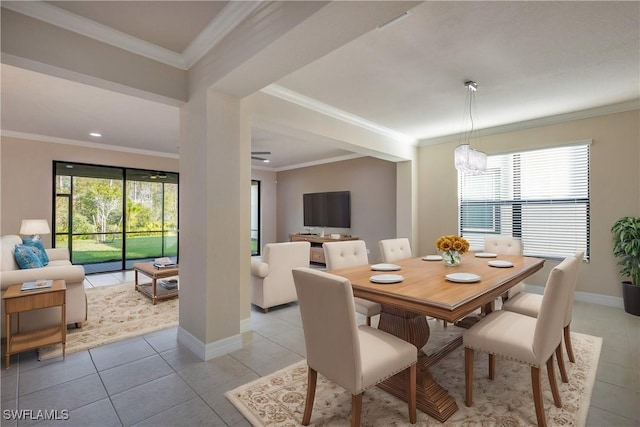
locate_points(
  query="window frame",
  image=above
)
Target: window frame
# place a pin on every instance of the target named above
(519, 205)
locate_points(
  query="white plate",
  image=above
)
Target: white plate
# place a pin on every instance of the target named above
(386, 278)
(500, 263)
(486, 255)
(385, 267)
(463, 277)
(432, 258)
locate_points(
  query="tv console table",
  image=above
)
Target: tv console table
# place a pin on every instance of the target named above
(316, 254)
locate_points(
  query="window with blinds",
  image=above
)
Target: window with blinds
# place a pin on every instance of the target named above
(540, 197)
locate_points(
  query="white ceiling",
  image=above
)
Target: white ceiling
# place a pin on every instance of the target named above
(531, 60)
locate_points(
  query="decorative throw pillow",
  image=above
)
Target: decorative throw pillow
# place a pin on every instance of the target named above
(26, 257)
(37, 243)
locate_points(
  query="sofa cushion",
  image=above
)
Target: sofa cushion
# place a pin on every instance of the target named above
(37, 243)
(8, 259)
(27, 257)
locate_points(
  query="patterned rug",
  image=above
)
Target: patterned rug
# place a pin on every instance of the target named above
(116, 313)
(278, 399)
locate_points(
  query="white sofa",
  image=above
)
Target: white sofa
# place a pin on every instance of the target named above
(59, 267)
(271, 277)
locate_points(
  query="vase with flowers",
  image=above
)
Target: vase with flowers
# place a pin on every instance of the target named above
(452, 248)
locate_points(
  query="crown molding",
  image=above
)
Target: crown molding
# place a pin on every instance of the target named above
(88, 28)
(229, 18)
(316, 162)
(328, 110)
(86, 144)
(544, 121)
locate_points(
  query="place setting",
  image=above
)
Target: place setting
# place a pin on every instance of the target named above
(486, 255)
(385, 267)
(385, 279)
(499, 263)
(462, 277)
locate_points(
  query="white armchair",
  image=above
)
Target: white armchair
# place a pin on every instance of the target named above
(271, 278)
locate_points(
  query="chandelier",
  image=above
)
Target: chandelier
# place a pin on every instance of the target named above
(468, 159)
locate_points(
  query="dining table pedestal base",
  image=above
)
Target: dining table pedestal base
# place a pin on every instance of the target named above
(431, 398)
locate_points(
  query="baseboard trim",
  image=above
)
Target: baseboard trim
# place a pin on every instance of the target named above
(245, 325)
(584, 297)
(211, 350)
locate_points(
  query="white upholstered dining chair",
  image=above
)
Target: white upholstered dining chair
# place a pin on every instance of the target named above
(529, 304)
(395, 249)
(351, 356)
(505, 245)
(351, 253)
(526, 339)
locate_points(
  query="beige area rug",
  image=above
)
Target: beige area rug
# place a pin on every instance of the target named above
(278, 399)
(116, 313)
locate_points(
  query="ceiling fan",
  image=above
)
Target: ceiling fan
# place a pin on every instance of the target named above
(257, 155)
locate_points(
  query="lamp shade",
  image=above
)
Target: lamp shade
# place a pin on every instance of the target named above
(34, 226)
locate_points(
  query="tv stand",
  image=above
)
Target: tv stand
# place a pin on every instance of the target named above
(316, 254)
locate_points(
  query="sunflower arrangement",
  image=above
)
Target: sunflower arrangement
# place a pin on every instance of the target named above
(452, 242)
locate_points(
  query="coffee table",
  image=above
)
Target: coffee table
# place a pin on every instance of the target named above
(152, 290)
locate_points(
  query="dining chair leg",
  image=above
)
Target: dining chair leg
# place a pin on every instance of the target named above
(492, 366)
(312, 378)
(468, 375)
(561, 366)
(411, 391)
(553, 383)
(356, 409)
(567, 343)
(536, 384)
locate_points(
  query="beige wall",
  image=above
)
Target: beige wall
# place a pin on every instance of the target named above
(268, 204)
(27, 176)
(614, 186)
(372, 183)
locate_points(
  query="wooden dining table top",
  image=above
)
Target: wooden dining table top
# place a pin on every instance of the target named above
(426, 290)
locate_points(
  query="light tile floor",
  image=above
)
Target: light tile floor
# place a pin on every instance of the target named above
(155, 381)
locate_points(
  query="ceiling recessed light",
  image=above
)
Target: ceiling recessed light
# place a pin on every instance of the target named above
(265, 161)
(96, 134)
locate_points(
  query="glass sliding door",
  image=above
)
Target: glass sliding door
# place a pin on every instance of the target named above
(255, 218)
(152, 216)
(111, 217)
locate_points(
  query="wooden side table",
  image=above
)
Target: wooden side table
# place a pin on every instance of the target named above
(17, 301)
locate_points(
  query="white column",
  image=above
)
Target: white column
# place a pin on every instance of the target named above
(215, 179)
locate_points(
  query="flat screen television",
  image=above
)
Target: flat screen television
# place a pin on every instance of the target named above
(329, 209)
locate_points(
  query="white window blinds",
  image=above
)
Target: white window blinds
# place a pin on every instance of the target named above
(540, 197)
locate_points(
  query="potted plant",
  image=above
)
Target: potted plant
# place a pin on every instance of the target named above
(626, 247)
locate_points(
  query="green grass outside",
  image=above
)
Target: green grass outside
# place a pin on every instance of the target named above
(90, 251)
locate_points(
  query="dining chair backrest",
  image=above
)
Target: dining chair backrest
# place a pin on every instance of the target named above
(502, 245)
(331, 336)
(395, 249)
(569, 311)
(350, 253)
(557, 293)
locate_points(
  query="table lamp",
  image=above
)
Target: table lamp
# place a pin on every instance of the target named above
(34, 227)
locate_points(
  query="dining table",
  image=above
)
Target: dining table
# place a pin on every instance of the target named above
(413, 289)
